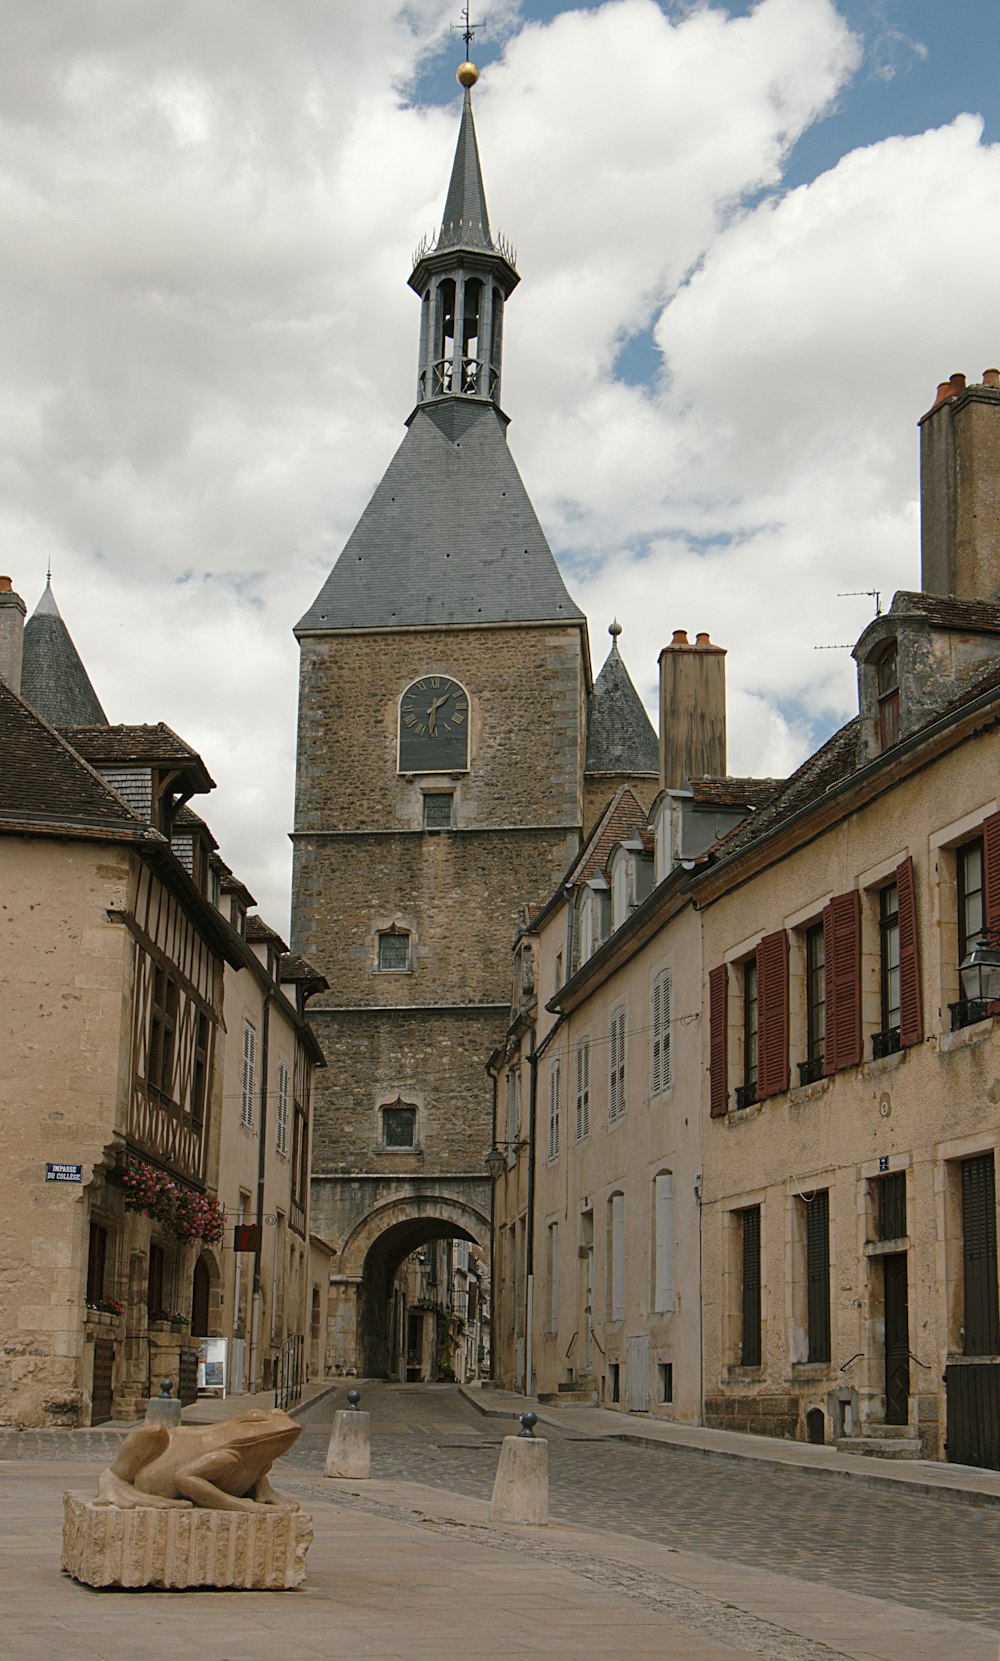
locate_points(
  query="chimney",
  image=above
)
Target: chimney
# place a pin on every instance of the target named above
(960, 490)
(692, 710)
(12, 613)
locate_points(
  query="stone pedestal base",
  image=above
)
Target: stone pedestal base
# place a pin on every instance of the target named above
(521, 1485)
(104, 1545)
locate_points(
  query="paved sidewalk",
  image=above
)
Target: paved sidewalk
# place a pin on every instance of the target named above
(964, 1483)
(399, 1570)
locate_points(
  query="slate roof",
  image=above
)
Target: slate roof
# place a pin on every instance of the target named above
(44, 781)
(261, 932)
(449, 537)
(620, 735)
(53, 679)
(831, 763)
(624, 817)
(294, 967)
(466, 223)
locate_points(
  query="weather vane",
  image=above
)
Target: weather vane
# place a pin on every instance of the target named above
(468, 30)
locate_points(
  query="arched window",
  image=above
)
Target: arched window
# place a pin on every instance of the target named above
(887, 688)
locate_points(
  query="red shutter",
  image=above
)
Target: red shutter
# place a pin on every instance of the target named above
(911, 1013)
(991, 873)
(718, 1040)
(772, 1014)
(842, 954)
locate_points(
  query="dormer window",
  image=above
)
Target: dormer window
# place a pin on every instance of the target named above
(887, 687)
(592, 917)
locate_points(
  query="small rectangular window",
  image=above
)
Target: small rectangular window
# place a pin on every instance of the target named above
(888, 904)
(666, 1372)
(399, 1126)
(394, 950)
(969, 861)
(890, 1206)
(746, 1095)
(815, 993)
(438, 810)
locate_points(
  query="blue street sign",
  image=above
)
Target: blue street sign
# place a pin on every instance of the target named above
(64, 1173)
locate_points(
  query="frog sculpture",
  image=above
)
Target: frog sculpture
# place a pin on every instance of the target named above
(220, 1467)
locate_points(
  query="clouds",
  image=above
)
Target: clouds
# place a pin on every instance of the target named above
(207, 346)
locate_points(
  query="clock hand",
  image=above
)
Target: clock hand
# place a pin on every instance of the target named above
(432, 714)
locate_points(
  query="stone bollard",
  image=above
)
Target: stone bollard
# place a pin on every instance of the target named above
(163, 1409)
(350, 1451)
(521, 1486)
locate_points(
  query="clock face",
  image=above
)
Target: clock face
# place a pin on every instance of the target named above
(434, 726)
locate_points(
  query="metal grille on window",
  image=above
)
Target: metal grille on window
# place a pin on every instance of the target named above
(399, 1126)
(394, 949)
(890, 1200)
(438, 811)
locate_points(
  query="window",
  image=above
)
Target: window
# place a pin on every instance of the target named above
(979, 1256)
(616, 1070)
(162, 1029)
(969, 861)
(812, 1067)
(890, 1206)
(663, 1243)
(552, 1275)
(281, 1133)
(884, 1042)
(97, 1262)
(750, 1334)
(818, 1274)
(583, 1089)
(399, 1125)
(616, 1257)
(249, 1077)
(660, 1033)
(513, 1111)
(842, 974)
(154, 1281)
(887, 689)
(438, 810)
(666, 1372)
(394, 950)
(199, 1087)
(747, 1094)
(554, 1087)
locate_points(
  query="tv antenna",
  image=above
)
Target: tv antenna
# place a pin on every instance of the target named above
(866, 593)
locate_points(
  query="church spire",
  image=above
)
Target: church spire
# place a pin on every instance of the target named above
(463, 278)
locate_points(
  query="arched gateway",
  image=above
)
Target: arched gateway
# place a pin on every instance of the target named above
(367, 1322)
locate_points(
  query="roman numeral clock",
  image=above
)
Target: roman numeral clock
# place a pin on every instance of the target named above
(434, 726)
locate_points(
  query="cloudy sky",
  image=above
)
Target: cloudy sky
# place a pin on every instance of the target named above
(752, 239)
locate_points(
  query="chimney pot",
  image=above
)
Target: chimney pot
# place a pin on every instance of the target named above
(702, 638)
(943, 391)
(957, 382)
(6, 586)
(991, 377)
(680, 638)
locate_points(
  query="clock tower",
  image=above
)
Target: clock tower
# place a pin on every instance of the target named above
(443, 692)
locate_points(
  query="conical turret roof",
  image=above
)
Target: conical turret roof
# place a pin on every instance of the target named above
(466, 222)
(620, 735)
(53, 679)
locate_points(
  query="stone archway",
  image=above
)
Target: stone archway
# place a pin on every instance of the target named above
(374, 1252)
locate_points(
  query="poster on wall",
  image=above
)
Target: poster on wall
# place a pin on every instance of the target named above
(212, 1364)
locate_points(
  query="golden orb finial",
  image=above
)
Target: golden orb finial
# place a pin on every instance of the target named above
(467, 74)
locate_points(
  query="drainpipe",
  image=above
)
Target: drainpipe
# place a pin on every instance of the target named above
(261, 1160)
(529, 1299)
(493, 1234)
(701, 1308)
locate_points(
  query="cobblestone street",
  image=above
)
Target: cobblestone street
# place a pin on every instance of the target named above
(931, 1553)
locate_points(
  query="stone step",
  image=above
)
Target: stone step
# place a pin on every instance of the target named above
(882, 1447)
(568, 1395)
(901, 1432)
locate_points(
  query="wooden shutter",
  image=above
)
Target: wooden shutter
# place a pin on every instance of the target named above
(842, 953)
(718, 1040)
(618, 1257)
(979, 1253)
(911, 1011)
(750, 1345)
(660, 1061)
(991, 873)
(772, 1014)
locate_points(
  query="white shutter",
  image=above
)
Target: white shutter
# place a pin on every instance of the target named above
(249, 1074)
(586, 1089)
(553, 1277)
(637, 1377)
(554, 1110)
(660, 1023)
(583, 1089)
(663, 1215)
(616, 1076)
(618, 1257)
(281, 1140)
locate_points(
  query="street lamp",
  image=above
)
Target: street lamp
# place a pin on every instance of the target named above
(495, 1162)
(979, 973)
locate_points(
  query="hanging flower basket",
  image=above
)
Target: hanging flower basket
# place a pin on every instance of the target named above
(186, 1215)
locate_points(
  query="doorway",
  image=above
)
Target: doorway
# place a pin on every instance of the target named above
(199, 1300)
(897, 1339)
